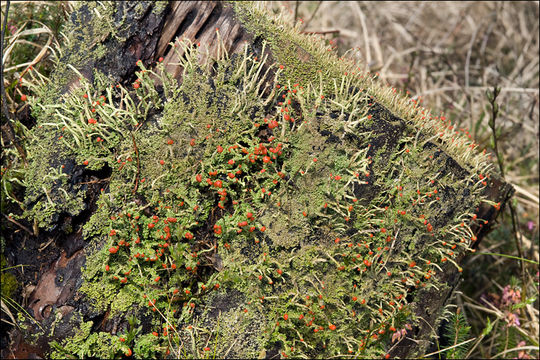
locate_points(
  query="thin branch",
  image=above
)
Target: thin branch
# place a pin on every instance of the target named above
(19, 225)
(320, 32)
(312, 15)
(448, 348)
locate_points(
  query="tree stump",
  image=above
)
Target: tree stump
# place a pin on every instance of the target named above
(233, 187)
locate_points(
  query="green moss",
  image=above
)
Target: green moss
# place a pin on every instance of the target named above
(304, 59)
(348, 203)
(125, 300)
(308, 60)
(50, 150)
(159, 6)
(85, 343)
(9, 282)
(48, 192)
(223, 325)
(101, 294)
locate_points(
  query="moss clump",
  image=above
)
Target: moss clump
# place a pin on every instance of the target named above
(291, 194)
(50, 191)
(9, 281)
(307, 59)
(9, 285)
(85, 343)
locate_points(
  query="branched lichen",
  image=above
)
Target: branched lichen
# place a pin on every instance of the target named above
(319, 201)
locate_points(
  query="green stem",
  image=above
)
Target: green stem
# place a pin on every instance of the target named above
(511, 257)
(492, 97)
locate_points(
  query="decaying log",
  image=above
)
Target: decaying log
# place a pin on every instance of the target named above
(144, 31)
(197, 22)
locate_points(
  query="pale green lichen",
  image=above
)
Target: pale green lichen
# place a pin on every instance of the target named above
(85, 343)
(308, 60)
(349, 204)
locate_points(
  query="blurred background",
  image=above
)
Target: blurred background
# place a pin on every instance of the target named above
(451, 56)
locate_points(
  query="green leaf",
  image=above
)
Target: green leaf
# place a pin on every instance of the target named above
(524, 303)
(488, 328)
(489, 95)
(478, 123)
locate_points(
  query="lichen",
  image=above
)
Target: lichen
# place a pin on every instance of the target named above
(159, 6)
(85, 343)
(309, 197)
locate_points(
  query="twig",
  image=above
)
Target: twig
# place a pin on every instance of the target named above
(510, 257)
(364, 31)
(448, 348)
(477, 88)
(492, 97)
(44, 246)
(312, 15)
(524, 192)
(19, 224)
(410, 71)
(320, 32)
(467, 68)
(521, 348)
(95, 181)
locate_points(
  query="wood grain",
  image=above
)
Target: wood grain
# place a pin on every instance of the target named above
(198, 21)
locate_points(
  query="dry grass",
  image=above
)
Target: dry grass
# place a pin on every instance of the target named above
(29, 42)
(448, 54)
